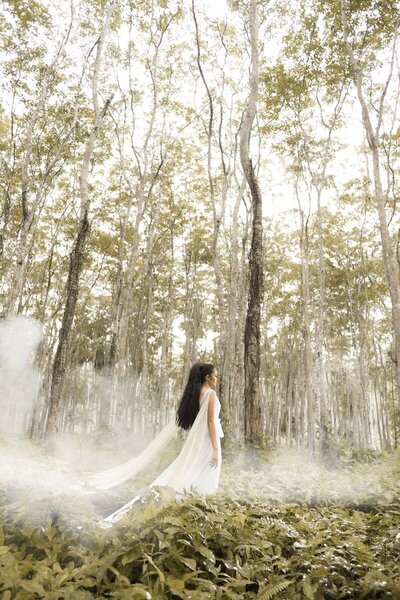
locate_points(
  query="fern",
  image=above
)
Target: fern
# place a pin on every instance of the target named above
(211, 545)
(272, 590)
(274, 522)
(362, 553)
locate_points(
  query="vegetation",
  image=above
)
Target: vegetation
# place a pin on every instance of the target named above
(285, 528)
(172, 171)
(186, 181)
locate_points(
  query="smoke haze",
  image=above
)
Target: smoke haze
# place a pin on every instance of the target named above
(19, 380)
(26, 470)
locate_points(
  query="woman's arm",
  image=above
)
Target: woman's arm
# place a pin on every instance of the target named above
(212, 429)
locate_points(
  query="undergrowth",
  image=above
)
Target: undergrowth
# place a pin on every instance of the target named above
(278, 531)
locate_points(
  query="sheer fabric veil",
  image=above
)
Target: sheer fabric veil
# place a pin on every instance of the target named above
(120, 473)
(190, 470)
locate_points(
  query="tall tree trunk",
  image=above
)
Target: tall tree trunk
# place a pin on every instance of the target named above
(218, 216)
(78, 250)
(252, 357)
(318, 181)
(234, 329)
(308, 360)
(125, 284)
(239, 411)
(162, 397)
(29, 209)
(325, 419)
(390, 262)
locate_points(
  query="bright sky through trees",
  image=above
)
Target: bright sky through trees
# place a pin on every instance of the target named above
(127, 224)
(201, 181)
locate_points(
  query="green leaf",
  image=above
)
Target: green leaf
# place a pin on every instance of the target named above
(189, 562)
(204, 551)
(307, 589)
(272, 590)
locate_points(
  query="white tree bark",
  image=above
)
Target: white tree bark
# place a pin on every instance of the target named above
(29, 209)
(390, 262)
(252, 358)
(78, 251)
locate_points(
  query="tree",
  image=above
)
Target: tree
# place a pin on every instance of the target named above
(253, 423)
(78, 251)
(389, 252)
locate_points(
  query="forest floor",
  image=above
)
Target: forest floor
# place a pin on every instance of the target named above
(281, 526)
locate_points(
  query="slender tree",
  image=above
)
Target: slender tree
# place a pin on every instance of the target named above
(78, 251)
(373, 133)
(252, 357)
(32, 199)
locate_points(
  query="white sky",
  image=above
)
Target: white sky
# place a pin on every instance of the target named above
(278, 194)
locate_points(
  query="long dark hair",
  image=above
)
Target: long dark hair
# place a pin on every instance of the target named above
(189, 405)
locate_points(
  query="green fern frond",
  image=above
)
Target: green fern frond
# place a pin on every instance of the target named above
(362, 552)
(272, 590)
(274, 522)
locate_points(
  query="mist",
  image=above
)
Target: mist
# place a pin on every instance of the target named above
(31, 472)
(19, 379)
(290, 475)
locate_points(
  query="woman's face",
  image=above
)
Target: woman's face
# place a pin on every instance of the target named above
(212, 379)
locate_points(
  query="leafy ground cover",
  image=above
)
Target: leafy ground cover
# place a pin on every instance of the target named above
(280, 528)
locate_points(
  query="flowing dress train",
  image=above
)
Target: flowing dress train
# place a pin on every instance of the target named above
(191, 470)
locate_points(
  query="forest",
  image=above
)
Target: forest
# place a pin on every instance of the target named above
(212, 181)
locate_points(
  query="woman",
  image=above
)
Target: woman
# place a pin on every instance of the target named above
(198, 464)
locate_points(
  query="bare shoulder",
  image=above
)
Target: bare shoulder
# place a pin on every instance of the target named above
(212, 396)
(212, 405)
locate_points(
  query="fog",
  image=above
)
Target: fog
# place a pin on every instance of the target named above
(19, 379)
(291, 475)
(29, 472)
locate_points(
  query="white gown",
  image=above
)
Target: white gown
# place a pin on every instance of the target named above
(191, 470)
